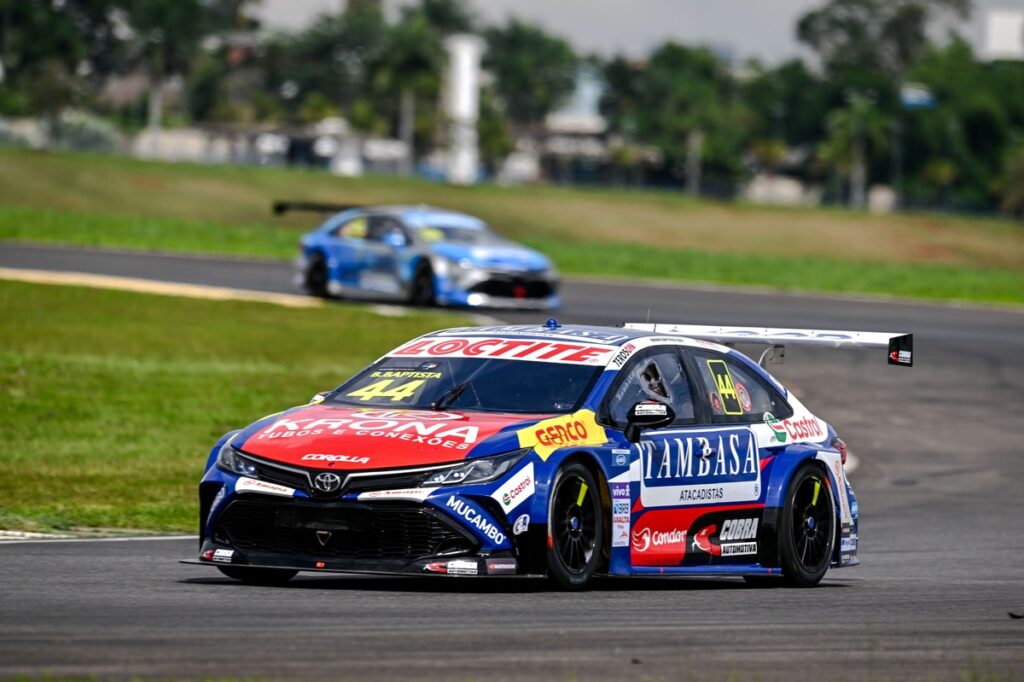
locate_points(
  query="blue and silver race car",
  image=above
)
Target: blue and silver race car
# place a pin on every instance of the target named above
(566, 451)
(422, 256)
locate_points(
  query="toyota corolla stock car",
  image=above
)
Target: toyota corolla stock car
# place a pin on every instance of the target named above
(422, 256)
(565, 451)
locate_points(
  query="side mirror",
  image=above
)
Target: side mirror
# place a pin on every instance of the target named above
(395, 239)
(318, 398)
(647, 414)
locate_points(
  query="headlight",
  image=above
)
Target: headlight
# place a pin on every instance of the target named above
(446, 267)
(231, 460)
(477, 470)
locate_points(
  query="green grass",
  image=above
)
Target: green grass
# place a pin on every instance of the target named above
(110, 401)
(110, 201)
(628, 261)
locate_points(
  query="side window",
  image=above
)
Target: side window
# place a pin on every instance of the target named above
(734, 393)
(652, 376)
(353, 229)
(386, 229)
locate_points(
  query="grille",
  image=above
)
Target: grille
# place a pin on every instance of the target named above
(516, 288)
(283, 476)
(357, 531)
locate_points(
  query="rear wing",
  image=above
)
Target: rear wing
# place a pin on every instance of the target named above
(899, 346)
(280, 207)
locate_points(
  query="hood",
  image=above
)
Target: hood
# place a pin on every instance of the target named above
(357, 439)
(500, 256)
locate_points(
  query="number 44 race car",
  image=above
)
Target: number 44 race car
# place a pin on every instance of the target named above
(566, 451)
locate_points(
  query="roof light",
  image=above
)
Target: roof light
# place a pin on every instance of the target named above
(552, 323)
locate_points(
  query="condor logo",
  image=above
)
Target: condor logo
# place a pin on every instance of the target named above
(579, 428)
(644, 539)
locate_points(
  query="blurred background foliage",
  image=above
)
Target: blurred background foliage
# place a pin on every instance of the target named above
(683, 115)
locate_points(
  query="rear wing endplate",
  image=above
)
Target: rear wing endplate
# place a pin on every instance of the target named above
(280, 207)
(899, 346)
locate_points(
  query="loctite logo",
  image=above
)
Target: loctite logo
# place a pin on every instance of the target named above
(645, 538)
(512, 349)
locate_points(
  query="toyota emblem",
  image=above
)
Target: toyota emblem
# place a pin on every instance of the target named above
(327, 482)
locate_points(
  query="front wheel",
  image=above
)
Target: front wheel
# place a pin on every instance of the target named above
(575, 528)
(258, 576)
(421, 289)
(808, 530)
(315, 277)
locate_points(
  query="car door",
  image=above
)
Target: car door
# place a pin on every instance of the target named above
(658, 374)
(385, 238)
(346, 250)
(706, 481)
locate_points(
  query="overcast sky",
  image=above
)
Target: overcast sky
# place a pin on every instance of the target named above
(747, 28)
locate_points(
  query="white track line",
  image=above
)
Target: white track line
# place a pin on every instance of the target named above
(147, 286)
(62, 539)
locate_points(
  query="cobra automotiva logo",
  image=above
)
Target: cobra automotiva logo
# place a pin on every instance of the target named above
(644, 538)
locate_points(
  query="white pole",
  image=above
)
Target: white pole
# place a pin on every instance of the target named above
(463, 104)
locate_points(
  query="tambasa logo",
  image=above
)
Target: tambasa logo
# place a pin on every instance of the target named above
(724, 466)
(475, 519)
(411, 427)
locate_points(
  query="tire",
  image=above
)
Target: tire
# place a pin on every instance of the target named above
(315, 278)
(421, 289)
(258, 576)
(807, 533)
(575, 526)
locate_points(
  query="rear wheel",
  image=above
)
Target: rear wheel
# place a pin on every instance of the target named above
(421, 290)
(808, 530)
(258, 576)
(315, 278)
(575, 529)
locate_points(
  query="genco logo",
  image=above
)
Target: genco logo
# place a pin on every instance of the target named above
(327, 482)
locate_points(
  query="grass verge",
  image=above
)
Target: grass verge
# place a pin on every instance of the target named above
(111, 400)
(935, 281)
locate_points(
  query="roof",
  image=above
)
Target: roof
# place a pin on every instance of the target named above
(611, 336)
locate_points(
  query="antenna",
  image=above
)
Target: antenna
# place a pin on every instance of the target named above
(648, 316)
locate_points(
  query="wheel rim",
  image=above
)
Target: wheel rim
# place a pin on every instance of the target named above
(574, 524)
(812, 523)
(317, 278)
(424, 287)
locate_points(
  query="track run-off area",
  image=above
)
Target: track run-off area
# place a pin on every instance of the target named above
(939, 485)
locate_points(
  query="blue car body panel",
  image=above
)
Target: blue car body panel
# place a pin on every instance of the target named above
(669, 507)
(476, 270)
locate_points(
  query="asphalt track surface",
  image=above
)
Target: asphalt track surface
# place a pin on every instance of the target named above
(942, 540)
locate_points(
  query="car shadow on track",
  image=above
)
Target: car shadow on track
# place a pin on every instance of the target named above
(493, 585)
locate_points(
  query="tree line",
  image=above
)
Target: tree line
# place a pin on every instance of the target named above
(841, 119)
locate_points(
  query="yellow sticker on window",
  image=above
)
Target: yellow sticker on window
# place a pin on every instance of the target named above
(354, 229)
(383, 389)
(431, 234)
(725, 386)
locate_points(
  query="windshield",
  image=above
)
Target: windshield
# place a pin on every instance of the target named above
(457, 235)
(485, 384)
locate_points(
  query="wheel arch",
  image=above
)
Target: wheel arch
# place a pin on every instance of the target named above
(775, 498)
(593, 463)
